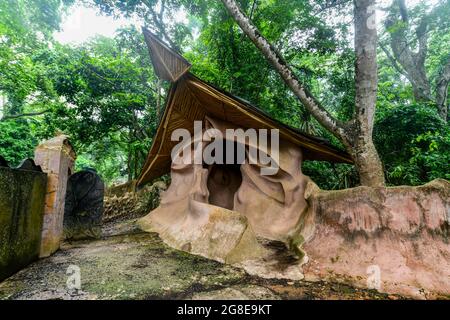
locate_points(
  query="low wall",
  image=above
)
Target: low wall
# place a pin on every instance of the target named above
(121, 189)
(393, 239)
(132, 204)
(22, 198)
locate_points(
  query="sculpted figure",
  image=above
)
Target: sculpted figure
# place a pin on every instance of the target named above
(237, 195)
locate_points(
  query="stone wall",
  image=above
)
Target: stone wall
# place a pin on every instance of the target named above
(22, 196)
(124, 202)
(56, 157)
(393, 239)
(121, 189)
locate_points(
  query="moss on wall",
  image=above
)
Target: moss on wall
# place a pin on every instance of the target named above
(22, 198)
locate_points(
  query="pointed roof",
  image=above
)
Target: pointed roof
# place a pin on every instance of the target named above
(168, 64)
(191, 98)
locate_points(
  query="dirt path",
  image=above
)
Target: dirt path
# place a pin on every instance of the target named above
(129, 264)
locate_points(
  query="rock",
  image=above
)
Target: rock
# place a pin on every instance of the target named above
(28, 164)
(216, 233)
(22, 198)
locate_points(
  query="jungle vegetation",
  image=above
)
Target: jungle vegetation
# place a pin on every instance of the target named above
(105, 96)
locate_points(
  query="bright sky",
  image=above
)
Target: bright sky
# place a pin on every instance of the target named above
(83, 23)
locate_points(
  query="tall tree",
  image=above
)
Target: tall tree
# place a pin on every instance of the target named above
(112, 111)
(355, 134)
(26, 28)
(409, 35)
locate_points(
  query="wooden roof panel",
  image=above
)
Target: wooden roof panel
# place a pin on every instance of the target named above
(168, 64)
(212, 105)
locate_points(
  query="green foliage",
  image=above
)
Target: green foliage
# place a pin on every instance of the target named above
(17, 141)
(25, 28)
(430, 158)
(102, 94)
(414, 144)
(329, 176)
(110, 86)
(105, 95)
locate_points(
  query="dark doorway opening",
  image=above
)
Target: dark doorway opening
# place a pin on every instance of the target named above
(225, 179)
(223, 182)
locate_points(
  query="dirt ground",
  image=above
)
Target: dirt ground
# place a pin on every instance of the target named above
(129, 264)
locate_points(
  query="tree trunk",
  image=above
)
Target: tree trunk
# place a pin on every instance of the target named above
(442, 91)
(362, 148)
(413, 63)
(357, 134)
(367, 162)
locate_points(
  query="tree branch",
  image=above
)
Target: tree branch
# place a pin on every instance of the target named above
(403, 10)
(288, 76)
(252, 9)
(393, 61)
(422, 37)
(114, 85)
(412, 63)
(22, 115)
(159, 23)
(101, 77)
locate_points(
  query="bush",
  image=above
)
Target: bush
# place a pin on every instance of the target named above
(16, 141)
(329, 176)
(414, 144)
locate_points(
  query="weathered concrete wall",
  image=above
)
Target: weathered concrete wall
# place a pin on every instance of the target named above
(56, 157)
(398, 237)
(22, 197)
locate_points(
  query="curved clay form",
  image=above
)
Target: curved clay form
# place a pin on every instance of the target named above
(218, 211)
